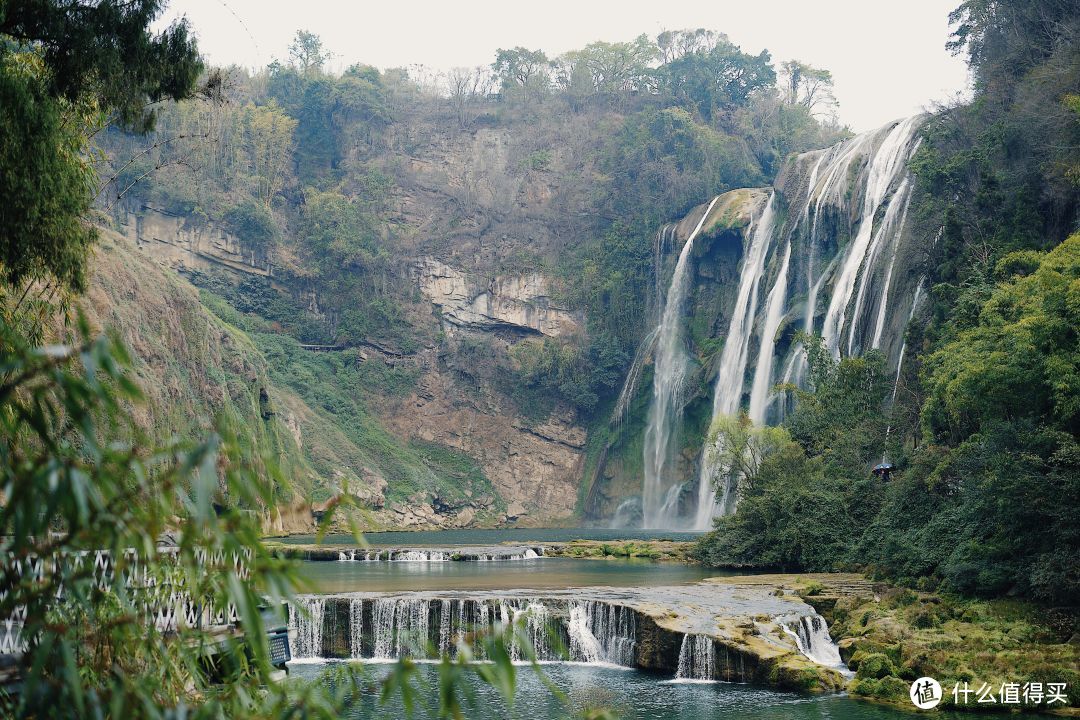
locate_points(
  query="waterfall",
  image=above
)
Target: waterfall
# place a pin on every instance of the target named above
(839, 216)
(761, 389)
(306, 629)
(883, 303)
(614, 627)
(887, 163)
(900, 365)
(387, 628)
(583, 644)
(669, 372)
(697, 659)
(627, 514)
(727, 393)
(812, 637)
(463, 554)
(633, 377)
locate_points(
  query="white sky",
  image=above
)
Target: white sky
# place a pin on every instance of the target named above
(888, 58)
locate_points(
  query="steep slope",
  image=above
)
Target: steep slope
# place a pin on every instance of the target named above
(195, 369)
(394, 430)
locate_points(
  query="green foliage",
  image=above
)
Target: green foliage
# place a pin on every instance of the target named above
(105, 50)
(252, 223)
(71, 487)
(45, 180)
(662, 162)
(791, 514)
(1000, 468)
(1019, 360)
(718, 79)
(63, 66)
(579, 376)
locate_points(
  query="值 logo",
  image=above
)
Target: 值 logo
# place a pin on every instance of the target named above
(925, 693)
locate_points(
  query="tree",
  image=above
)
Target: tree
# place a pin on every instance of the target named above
(65, 67)
(465, 86)
(308, 54)
(808, 86)
(267, 138)
(674, 44)
(522, 71)
(613, 68)
(105, 50)
(721, 78)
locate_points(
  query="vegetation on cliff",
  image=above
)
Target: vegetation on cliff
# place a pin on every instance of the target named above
(982, 422)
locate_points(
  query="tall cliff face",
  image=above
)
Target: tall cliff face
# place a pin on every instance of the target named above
(459, 397)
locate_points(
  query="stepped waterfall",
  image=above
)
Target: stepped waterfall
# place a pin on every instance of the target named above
(548, 629)
(830, 252)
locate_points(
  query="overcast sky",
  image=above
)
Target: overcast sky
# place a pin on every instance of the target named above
(888, 58)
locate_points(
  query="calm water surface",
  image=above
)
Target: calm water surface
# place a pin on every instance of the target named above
(449, 538)
(539, 573)
(634, 695)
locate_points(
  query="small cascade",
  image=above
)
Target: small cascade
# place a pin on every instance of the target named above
(419, 555)
(387, 628)
(306, 629)
(584, 646)
(697, 659)
(669, 371)
(627, 514)
(883, 302)
(727, 393)
(633, 377)
(613, 627)
(900, 366)
(811, 635)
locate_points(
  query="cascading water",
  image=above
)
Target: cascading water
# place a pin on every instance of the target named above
(811, 635)
(761, 389)
(305, 629)
(900, 364)
(669, 372)
(727, 394)
(697, 659)
(461, 554)
(887, 164)
(386, 628)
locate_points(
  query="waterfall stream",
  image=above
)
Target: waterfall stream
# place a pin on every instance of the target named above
(697, 659)
(811, 635)
(887, 163)
(669, 372)
(727, 393)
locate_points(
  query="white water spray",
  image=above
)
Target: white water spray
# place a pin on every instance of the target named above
(669, 372)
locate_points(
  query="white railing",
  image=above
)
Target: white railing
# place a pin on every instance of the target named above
(161, 597)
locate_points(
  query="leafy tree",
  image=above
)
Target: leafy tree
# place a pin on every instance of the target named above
(808, 86)
(675, 44)
(522, 72)
(307, 53)
(791, 513)
(46, 182)
(613, 69)
(267, 138)
(105, 50)
(62, 63)
(252, 223)
(721, 78)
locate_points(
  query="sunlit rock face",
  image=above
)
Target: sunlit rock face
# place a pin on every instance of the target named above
(508, 302)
